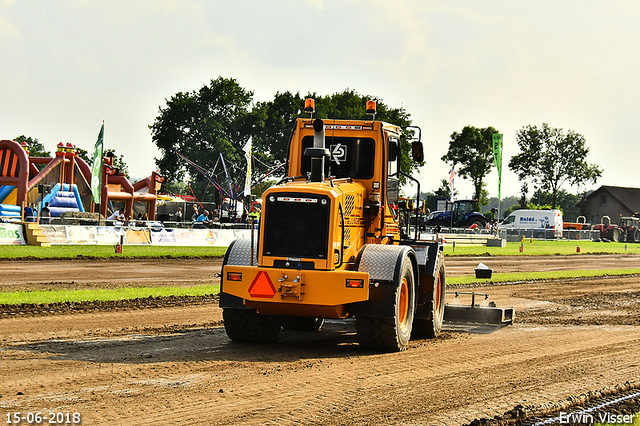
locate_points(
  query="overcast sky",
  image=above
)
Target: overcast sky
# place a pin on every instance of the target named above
(67, 65)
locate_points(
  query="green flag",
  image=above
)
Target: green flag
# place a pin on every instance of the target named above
(497, 157)
(96, 168)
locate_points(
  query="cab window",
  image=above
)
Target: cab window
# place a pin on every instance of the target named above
(350, 157)
(393, 181)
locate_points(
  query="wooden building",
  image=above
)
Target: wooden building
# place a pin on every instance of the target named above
(612, 201)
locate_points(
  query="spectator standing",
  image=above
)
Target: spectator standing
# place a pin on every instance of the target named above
(28, 213)
(45, 215)
(196, 214)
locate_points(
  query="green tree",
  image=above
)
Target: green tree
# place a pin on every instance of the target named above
(272, 131)
(218, 119)
(566, 202)
(472, 150)
(84, 154)
(524, 191)
(36, 149)
(176, 188)
(262, 186)
(508, 210)
(552, 158)
(118, 161)
(444, 191)
(202, 125)
(505, 203)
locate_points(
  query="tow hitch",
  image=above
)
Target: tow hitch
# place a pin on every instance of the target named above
(476, 313)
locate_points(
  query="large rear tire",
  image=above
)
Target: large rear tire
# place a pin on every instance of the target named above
(246, 325)
(392, 334)
(614, 235)
(478, 224)
(441, 223)
(636, 235)
(432, 326)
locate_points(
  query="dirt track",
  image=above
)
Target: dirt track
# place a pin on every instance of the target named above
(175, 365)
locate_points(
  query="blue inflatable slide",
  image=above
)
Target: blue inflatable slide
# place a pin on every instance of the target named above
(8, 210)
(63, 198)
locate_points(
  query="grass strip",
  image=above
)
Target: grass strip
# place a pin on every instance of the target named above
(108, 252)
(131, 293)
(543, 248)
(543, 275)
(102, 295)
(530, 248)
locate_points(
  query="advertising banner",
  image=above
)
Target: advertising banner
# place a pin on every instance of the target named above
(81, 234)
(163, 236)
(56, 234)
(137, 236)
(11, 234)
(109, 235)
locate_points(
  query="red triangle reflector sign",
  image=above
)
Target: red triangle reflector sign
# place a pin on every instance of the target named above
(262, 286)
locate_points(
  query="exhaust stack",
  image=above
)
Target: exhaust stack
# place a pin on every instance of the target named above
(318, 152)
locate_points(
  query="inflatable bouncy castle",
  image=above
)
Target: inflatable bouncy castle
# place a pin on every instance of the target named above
(64, 183)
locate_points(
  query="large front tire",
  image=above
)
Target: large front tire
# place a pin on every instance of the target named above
(246, 325)
(392, 334)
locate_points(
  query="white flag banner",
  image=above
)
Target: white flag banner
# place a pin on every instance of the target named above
(247, 155)
(452, 174)
(96, 168)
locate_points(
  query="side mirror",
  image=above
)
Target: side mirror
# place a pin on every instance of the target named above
(393, 150)
(417, 152)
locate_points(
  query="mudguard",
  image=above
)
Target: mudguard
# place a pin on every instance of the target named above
(384, 266)
(238, 253)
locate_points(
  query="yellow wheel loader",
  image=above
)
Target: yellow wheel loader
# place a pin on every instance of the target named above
(335, 242)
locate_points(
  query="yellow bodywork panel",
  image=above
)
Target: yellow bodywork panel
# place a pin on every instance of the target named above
(295, 287)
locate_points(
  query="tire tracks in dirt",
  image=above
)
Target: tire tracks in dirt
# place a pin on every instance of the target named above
(175, 364)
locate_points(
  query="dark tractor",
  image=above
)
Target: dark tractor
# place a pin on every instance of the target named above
(630, 227)
(459, 214)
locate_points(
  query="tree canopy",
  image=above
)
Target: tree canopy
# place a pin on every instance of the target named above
(472, 151)
(36, 149)
(552, 158)
(118, 160)
(273, 123)
(201, 125)
(219, 119)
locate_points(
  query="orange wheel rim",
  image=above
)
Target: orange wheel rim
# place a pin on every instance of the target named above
(437, 296)
(404, 302)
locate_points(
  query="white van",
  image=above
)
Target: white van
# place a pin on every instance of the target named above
(535, 220)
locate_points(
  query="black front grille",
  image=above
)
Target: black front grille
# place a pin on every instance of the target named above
(296, 225)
